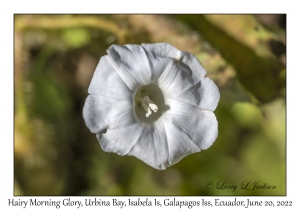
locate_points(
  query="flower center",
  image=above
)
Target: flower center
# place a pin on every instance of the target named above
(149, 103)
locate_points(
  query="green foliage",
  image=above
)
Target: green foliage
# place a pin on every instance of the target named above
(55, 153)
(260, 75)
(76, 37)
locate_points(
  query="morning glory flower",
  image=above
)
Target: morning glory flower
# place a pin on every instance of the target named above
(153, 102)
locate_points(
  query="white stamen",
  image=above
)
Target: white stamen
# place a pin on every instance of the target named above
(153, 107)
(148, 113)
(149, 105)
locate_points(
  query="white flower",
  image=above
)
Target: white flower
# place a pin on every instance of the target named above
(153, 102)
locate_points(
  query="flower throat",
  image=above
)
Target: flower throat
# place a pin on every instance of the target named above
(149, 103)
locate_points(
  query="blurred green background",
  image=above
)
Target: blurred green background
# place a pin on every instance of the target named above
(55, 57)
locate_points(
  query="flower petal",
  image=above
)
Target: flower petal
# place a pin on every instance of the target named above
(179, 143)
(177, 83)
(209, 92)
(177, 107)
(131, 63)
(152, 148)
(159, 53)
(120, 140)
(159, 56)
(99, 111)
(183, 84)
(200, 127)
(106, 82)
(161, 50)
(141, 65)
(188, 60)
(147, 143)
(210, 95)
